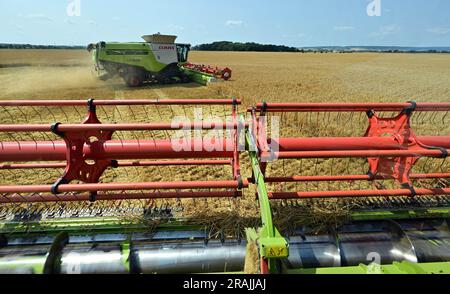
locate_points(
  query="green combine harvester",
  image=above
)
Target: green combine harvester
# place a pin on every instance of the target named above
(157, 60)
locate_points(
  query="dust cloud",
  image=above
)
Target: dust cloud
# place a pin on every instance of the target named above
(32, 79)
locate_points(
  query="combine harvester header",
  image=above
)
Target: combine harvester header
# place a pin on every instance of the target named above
(310, 151)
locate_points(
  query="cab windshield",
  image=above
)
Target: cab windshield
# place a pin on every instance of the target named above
(183, 51)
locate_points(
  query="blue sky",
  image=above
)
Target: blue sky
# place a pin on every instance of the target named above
(290, 22)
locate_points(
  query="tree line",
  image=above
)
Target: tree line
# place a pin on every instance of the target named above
(250, 46)
(29, 46)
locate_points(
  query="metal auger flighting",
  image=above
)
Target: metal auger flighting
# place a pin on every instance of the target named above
(125, 151)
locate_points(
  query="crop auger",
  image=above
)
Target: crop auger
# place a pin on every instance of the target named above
(121, 191)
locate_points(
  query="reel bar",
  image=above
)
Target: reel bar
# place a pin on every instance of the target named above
(118, 127)
(357, 153)
(127, 102)
(122, 164)
(359, 193)
(354, 143)
(349, 107)
(349, 178)
(43, 198)
(111, 150)
(124, 186)
(355, 147)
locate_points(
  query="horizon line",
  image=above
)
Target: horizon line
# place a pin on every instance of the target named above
(298, 47)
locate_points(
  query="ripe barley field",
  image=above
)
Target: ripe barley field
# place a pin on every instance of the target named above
(276, 77)
(257, 77)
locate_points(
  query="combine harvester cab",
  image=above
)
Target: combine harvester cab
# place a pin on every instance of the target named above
(108, 186)
(158, 60)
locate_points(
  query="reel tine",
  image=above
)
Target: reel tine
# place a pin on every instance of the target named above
(79, 116)
(23, 114)
(65, 114)
(48, 109)
(132, 113)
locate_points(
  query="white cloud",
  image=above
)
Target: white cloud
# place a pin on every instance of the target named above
(70, 21)
(234, 23)
(89, 22)
(343, 28)
(387, 31)
(92, 23)
(294, 37)
(19, 28)
(175, 28)
(439, 31)
(36, 16)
